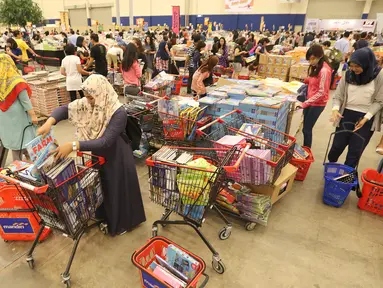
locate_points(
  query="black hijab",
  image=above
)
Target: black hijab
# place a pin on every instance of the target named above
(366, 59)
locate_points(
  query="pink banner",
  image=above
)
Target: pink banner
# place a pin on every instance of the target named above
(176, 19)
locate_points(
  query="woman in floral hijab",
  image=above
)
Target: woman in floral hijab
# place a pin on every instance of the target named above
(100, 122)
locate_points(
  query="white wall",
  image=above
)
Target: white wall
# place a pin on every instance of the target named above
(260, 7)
(376, 7)
(335, 9)
(51, 8)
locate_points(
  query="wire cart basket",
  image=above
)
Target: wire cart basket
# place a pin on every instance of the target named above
(274, 137)
(189, 191)
(254, 169)
(69, 215)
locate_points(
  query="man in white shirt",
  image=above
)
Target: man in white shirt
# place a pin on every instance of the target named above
(343, 44)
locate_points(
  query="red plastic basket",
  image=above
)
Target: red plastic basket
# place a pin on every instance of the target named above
(303, 165)
(17, 223)
(372, 192)
(144, 256)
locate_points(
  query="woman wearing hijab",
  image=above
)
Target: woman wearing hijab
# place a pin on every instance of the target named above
(16, 112)
(357, 106)
(100, 120)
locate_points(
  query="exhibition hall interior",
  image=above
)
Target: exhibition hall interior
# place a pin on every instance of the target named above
(191, 143)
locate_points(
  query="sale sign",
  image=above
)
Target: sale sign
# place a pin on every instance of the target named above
(176, 19)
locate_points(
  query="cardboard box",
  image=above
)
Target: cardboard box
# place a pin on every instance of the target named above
(287, 60)
(271, 60)
(281, 187)
(262, 68)
(278, 60)
(294, 71)
(303, 71)
(263, 59)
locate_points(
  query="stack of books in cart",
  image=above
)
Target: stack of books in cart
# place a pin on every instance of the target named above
(60, 174)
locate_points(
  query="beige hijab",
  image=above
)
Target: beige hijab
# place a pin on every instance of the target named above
(91, 121)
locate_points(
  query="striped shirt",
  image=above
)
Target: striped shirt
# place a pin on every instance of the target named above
(190, 54)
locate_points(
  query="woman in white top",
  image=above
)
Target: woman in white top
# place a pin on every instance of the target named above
(71, 68)
(357, 106)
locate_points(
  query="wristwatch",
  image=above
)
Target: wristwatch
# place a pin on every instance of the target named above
(74, 146)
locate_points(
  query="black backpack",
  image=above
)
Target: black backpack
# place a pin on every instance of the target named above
(133, 133)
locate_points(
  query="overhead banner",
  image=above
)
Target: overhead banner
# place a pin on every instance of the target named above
(176, 19)
(239, 5)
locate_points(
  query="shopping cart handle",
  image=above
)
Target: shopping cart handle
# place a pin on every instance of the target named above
(37, 190)
(100, 159)
(152, 95)
(235, 167)
(204, 283)
(218, 120)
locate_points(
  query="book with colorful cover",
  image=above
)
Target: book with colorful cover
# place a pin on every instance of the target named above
(61, 173)
(249, 128)
(18, 165)
(299, 152)
(39, 149)
(181, 261)
(37, 146)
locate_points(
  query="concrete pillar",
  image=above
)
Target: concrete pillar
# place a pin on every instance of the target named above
(187, 12)
(88, 13)
(118, 15)
(366, 9)
(131, 17)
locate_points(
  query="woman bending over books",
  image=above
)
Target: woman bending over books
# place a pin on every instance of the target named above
(100, 120)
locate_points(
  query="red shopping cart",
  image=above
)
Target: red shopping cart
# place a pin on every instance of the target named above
(69, 215)
(236, 119)
(189, 189)
(40, 63)
(256, 168)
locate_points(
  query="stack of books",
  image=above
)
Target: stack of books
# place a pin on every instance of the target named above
(47, 96)
(177, 269)
(300, 153)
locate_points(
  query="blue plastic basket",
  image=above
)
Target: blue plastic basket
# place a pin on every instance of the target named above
(336, 192)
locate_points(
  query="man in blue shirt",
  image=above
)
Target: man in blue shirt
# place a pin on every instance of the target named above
(343, 44)
(73, 37)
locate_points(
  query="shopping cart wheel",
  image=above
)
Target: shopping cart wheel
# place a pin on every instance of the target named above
(380, 166)
(104, 228)
(250, 226)
(224, 233)
(218, 266)
(154, 231)
(31, 263)
(67, 283)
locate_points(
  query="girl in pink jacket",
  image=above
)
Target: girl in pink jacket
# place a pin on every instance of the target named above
(318, 91)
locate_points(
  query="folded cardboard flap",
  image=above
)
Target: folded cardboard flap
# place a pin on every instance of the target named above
(281, 187)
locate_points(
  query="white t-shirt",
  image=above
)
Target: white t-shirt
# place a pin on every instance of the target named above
(360, 97)
(73, 77)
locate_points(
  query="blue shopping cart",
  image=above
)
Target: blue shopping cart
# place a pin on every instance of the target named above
(340, 179)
